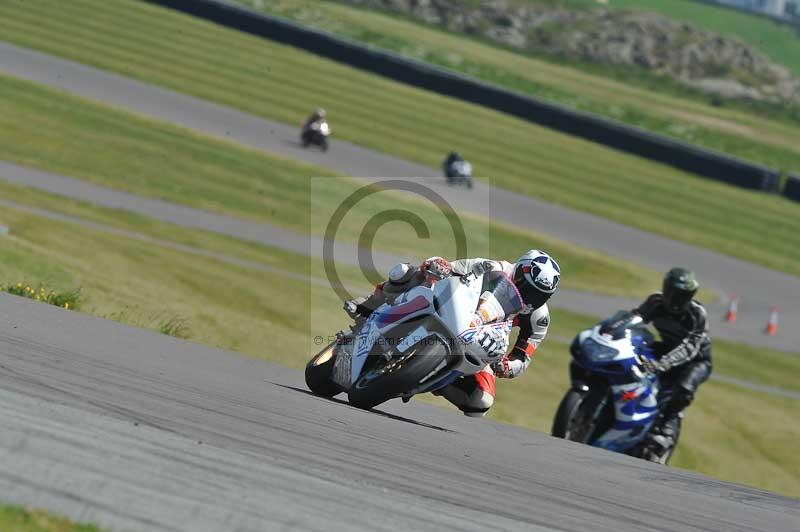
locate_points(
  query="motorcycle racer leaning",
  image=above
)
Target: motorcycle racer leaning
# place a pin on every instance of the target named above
(536, 276)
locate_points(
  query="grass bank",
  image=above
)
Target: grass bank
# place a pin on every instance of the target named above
(778, 42)
(631, 95)
(259, 313)
(50, 130)
(19, 519)
(281, 83)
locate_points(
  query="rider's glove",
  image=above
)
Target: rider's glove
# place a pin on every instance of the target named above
(355, 308)
(502, 368)
(437, 267)
(654, 367)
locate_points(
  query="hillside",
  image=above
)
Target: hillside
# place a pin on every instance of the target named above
(716, 63)
(778, 42)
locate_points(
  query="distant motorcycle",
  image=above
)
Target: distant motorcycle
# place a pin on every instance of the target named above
(316, 133)
(612, 402)
(459, 173)
(418, 343)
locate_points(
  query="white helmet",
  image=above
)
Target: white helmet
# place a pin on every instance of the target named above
(536, 275)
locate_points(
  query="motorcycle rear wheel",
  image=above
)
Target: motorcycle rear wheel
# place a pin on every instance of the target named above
(319, 372)
(392, 379)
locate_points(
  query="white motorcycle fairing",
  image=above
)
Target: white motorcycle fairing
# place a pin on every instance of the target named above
(444, 312)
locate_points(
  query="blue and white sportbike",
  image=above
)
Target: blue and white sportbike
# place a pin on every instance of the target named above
(612, 402)
(420, 342)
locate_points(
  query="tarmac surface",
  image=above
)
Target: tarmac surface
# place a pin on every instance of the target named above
(138, 431)
(758, 288)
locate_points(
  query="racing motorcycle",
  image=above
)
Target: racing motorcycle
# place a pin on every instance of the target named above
(612, 402)
(316, 133)
(459, 173)
(421, 342)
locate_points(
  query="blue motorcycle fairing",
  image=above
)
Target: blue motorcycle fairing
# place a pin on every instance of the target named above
(611, 351)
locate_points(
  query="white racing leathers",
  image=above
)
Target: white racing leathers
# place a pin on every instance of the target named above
(474, 394)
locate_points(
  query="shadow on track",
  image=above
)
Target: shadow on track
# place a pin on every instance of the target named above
(373, 411)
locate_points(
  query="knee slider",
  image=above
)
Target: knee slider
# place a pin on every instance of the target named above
(478, 404)
(482, 400)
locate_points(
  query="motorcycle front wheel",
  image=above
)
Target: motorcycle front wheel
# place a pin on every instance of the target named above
(389, 379)
(319, 373)
(592, 416)
(565, 415)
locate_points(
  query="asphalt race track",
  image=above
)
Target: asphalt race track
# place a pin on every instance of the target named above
(759, 288)
(138, 431)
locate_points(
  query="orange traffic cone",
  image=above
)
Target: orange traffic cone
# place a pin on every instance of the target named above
(733, 309)
(772, 324)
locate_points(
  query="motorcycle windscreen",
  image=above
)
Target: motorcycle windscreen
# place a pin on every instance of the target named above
(456, 303)
(614, 359)
(504, 293)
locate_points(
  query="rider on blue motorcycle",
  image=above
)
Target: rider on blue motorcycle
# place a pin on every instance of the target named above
(536, 275)
(684, 352)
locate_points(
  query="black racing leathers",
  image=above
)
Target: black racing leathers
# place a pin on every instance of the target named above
(684, 354)
(684, 337)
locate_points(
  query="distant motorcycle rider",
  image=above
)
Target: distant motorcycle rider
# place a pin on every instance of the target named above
(455, 166)
(449, 161)
(318, 115)
(536, 276)
(683, 354)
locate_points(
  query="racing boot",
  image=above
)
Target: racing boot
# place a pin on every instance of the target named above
(663, 437)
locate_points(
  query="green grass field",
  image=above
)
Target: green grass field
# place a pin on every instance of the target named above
(50, 130)
(281, 83)
(18, 519)
(266, 315)
(626, 94)
(135, 282)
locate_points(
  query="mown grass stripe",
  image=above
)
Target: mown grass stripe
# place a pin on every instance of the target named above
(279, 82)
